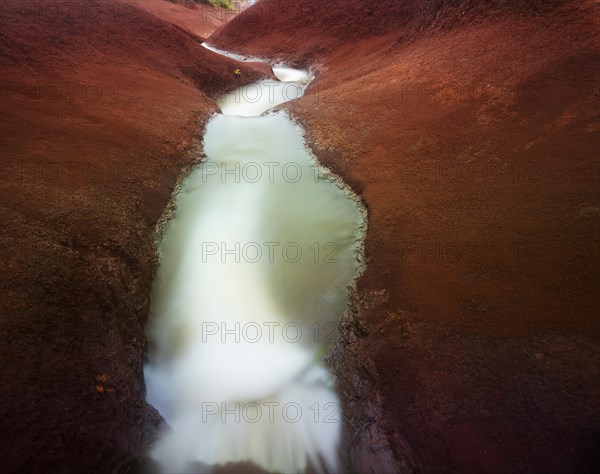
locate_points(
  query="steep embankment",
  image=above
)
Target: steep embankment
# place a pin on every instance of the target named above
(200, 19)
(101, 109)
(471, 132)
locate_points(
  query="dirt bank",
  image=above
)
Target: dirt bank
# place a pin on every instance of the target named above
(471, 131)
(102, 104)
(200, 19)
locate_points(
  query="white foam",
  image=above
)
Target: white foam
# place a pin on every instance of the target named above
(254, 99)
(237, 57)
(287, 74)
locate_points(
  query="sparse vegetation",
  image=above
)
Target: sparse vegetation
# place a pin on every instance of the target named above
(227, 4)
(222, 3)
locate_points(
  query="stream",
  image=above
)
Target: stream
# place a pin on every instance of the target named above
(252, 281)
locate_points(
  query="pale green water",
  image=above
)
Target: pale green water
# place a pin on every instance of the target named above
(251, 284)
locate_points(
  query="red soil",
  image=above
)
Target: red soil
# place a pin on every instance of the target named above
(102, 107)
(199, 19)
(471, 131)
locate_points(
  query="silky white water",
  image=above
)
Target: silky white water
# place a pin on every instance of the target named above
(254, 99)
(251, 284)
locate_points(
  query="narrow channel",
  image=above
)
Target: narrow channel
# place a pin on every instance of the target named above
(253, 277)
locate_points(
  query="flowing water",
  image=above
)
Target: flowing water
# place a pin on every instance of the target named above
(252, 281)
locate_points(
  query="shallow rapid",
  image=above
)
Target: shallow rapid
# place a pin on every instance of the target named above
(253, 277)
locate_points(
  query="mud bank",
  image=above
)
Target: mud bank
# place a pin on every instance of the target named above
(470, 131)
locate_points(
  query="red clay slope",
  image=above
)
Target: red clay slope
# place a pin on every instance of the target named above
(307, 30)
(101, 108)
(200, 19)
(471, 131)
